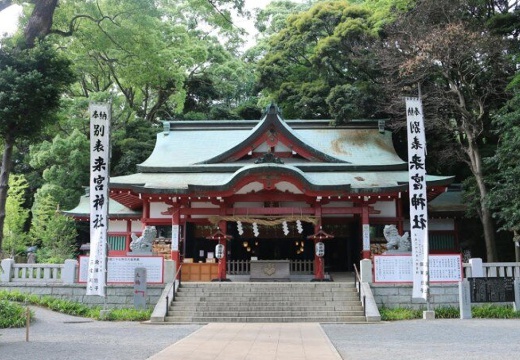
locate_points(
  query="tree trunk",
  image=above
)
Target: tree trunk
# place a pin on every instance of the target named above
(40, 22)
(5, 170)
(483, 211)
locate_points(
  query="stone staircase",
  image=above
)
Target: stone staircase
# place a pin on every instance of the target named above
(324, 302)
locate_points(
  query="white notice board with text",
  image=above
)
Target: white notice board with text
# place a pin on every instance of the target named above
(121, 269)
(399, 268)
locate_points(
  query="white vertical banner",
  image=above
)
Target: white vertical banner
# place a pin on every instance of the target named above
(418, 200)
(175, 237)
(366, 237)
(100, 115)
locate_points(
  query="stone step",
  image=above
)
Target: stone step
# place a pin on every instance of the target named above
(274, 298)
(273, 307)
(269, 313)
(254, 286)
(265, 291)
(253, 319)
(266, 302)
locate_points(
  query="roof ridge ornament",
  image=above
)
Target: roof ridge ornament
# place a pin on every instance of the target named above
(269, 157)
(273, 109)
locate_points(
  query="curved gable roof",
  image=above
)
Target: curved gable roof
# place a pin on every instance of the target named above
(272, 120)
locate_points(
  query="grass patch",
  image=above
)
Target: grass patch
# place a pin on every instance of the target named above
(12, 315)
(65, 307)
(486, 311)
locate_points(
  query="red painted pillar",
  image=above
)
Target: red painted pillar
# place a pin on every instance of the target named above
(366, 232)
(319, 265)
(222, 262)
(176, 235)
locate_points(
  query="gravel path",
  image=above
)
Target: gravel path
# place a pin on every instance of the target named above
(445, 339)
(58, 337)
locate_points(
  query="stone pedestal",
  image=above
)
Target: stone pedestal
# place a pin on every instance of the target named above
(265, 270)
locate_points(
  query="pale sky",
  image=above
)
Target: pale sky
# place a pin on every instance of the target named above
(9, 19)
(9, 16)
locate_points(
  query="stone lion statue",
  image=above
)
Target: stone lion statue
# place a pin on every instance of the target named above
(396, 241)
(144, 242)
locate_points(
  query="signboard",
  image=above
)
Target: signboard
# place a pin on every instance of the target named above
(140, 288)
(500, 289)
(175, 237)
(400, 269)
(417, 193)
(121, 269)
(100, 115)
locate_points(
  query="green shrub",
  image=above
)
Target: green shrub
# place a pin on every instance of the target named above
(490, 311)
(129, 315)
(448, 312)
(12, 315)
(75, 308)
(388, 314)
(484, 311)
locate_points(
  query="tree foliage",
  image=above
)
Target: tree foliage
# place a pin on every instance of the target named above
(463, 70)
(55, 233)
(31, 83)
(15, 230)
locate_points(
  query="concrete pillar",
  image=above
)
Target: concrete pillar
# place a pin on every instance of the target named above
(169, 271)
(464, 299)
(7, 270)
(365, 266)
(68, 276)
(477, 270)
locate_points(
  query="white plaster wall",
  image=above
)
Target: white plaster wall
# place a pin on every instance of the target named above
(137, 226)
(435, 224)
(387, 209)
(156, 208)
(117, 226)
(254, 186)
(287, 186)
(198, 205)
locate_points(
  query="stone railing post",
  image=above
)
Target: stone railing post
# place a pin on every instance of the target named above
(6, 270)
(366, 271)
(68, 275)
(477, 270)
(169, 271)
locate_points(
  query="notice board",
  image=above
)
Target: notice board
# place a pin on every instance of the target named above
(121, 269)
(399, 268)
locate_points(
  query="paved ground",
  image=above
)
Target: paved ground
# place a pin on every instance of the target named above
(56, 336)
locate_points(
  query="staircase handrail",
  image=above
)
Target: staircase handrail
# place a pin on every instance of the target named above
(161, 311)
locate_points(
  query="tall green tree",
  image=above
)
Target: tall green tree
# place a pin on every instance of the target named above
(15, 227)
(310, 70)
(53, 160)
(31, 83)
(463, 69)
(56, 234)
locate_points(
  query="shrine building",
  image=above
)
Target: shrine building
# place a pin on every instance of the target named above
(269, 190)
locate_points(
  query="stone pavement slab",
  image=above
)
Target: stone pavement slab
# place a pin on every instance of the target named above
(253, 341)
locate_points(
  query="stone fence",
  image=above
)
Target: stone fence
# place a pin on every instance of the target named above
(442, 294)
(61, 281)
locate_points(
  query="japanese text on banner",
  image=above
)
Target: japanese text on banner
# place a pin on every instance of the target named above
(418, 200)
(100, 115)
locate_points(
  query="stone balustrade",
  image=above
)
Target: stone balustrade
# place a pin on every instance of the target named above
(45, 273)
